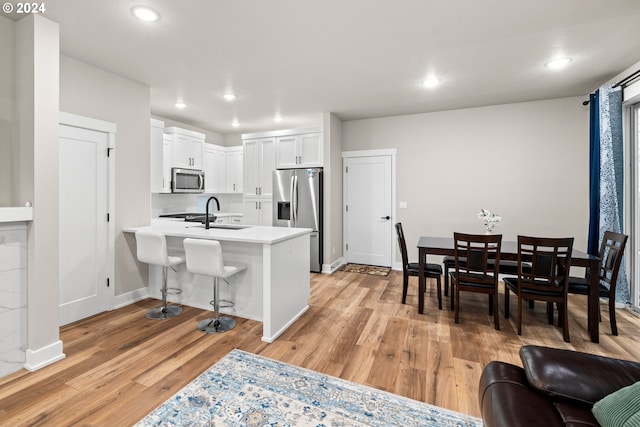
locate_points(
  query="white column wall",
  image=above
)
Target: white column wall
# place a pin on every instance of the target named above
(37, 85)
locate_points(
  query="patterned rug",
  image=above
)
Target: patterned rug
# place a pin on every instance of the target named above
(366, 269)
(243, 389)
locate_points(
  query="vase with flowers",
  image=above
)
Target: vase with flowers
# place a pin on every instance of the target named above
(490, 220)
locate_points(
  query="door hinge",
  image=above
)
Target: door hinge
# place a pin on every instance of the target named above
(347, 247)
(107, 216)
(108, 282)
(109, 151)
(346, 169)
(346, 208)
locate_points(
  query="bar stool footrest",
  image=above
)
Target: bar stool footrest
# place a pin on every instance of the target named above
(223, 303)
(174, 291)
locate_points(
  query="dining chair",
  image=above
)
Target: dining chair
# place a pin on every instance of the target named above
(610, 254)
(431, 270)
(476, 269)
(550, 260)
(506, 267)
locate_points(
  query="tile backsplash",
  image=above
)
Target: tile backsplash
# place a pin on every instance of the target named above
(176, 203)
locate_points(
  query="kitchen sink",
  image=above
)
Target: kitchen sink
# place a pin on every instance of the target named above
(221, 226)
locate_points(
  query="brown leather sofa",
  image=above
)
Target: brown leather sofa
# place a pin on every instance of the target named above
(555, 387)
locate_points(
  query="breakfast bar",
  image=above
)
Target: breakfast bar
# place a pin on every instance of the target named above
(273, 289)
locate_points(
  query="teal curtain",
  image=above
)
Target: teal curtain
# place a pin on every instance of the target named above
(607, 191)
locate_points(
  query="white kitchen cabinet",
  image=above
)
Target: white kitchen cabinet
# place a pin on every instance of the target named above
(166, 164)
(213, 165)
(258, 211)
(259, 164)
(234, 170)
(236, 219)
(156, 154)
(299, 151)
(186, 148)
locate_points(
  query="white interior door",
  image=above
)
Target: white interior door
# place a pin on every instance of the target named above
(83, 226)
(368, 210)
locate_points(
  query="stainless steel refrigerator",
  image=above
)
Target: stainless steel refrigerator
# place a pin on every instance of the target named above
(297, 202)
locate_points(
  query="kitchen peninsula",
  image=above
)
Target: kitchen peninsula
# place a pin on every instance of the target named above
(274, 288)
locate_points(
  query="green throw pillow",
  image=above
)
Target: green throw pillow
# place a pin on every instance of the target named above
(619, 409)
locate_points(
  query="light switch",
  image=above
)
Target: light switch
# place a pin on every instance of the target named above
(403, 205)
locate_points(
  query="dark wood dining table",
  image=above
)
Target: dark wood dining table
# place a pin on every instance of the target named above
(428, 245)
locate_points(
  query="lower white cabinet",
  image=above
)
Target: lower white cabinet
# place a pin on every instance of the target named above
(258, 211)
(229, 219)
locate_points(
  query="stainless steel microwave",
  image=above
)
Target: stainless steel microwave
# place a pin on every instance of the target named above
(187, 181)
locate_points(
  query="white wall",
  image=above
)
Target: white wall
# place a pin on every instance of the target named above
(7, 111)
(332, 227)
(527, 162)
(90, 91)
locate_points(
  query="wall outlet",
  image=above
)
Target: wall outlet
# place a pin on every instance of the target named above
(403, 205)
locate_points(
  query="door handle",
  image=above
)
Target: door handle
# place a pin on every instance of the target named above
(385, 217)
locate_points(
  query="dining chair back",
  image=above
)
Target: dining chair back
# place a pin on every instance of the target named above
(546, 280)
(476, 269)
(431, 270)
(610, 254)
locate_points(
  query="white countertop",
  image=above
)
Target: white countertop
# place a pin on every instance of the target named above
(16, 214)
(251, 234)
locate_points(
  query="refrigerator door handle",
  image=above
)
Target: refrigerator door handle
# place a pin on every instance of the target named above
(294, 199)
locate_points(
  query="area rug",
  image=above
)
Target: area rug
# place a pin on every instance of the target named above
(243, 389)
(366, 269)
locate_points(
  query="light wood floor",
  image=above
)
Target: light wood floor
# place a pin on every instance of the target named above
(120, 366)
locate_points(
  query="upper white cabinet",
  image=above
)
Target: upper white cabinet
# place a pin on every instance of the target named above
(186, 148)
(160, 164)
(222, 168)
(259, 164)
(299, 150)
(213, 165)
(156, 152)
(166, 164)
(234, 167)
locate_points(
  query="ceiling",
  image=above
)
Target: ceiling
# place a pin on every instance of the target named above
(355, 58)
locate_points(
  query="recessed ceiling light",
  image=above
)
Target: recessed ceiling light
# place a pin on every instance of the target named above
(431, 82)
(145, 13)
(181, 105)
(558, 63)
(277, 119)
(229, 96)
(235, 124)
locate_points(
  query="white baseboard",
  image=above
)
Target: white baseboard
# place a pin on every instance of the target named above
(285, 327)
(331, 268)
(36, 359)
(128, 298)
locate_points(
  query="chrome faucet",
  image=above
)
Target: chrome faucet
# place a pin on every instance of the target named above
(206, 217)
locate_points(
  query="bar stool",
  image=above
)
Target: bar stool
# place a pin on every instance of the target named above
(205, 257)
(152, 249)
